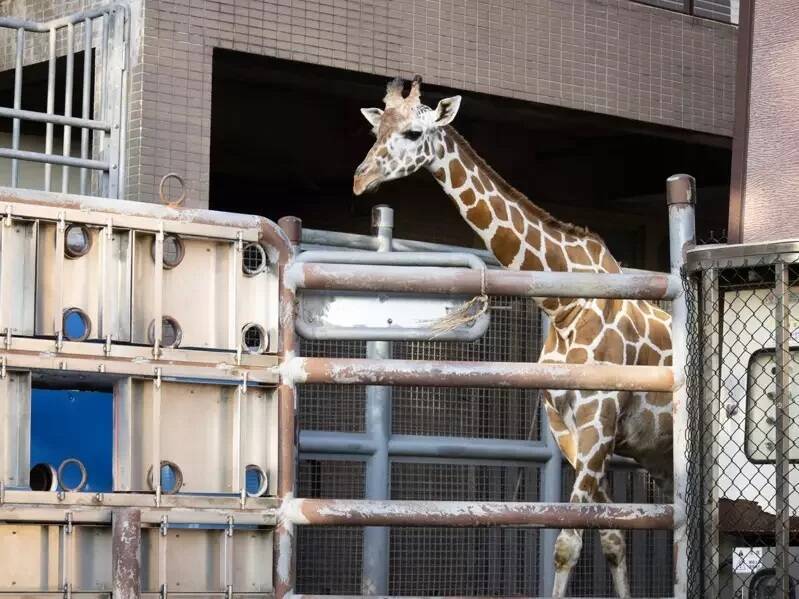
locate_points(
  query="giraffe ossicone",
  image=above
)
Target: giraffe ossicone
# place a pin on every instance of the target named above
(589, 426)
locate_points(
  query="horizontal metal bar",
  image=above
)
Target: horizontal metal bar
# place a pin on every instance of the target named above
(41, 27)
(57, 119)
(406, 279)
(423, 446)
(54, 159)
(364, 512)
(304, 596)
(336, 442)
(518, 375)
(311, 237)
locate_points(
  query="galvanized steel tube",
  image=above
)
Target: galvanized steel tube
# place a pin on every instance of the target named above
(681, 197)
(363, 277)
(17, 104)
(68, 104)
(518, 375)
(354, 512)
(48, 138)
(53, 159)
(84, 133)
(125, 553)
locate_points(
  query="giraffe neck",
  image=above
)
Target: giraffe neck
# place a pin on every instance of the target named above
(521, 235)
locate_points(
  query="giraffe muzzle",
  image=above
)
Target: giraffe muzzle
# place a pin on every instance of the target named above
(365, 182)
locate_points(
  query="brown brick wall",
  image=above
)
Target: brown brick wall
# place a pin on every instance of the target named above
(613, 57)
(608, 56)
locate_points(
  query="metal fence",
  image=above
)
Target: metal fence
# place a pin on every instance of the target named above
(744, 446)
(102, 33)
(726, 11)
(447, 443)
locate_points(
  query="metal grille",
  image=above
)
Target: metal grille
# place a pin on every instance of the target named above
(329, 559)
(332, 407)
(740, 490)
(471, 561)
(514, 336)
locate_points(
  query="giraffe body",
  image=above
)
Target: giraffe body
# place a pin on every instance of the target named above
(589, 426)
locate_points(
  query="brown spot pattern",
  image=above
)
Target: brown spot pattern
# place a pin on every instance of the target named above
(588, 328)
(456, 173)
(586, 412)
(467, 197)
(441, 175)
(577, 355)
(610, 348)
(608, 418)
(531, 262)
(479, 215)
(556, 259)
(659, 334)
(578, 255)
(505, 245)
(648, 356)
(478, 187)
(500, 209)
(588, 439)
(517, 219)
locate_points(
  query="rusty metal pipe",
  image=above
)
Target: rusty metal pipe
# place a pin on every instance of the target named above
(423, 279)
(125, 551)
(364, 512)
(518, 375)
(284, 566)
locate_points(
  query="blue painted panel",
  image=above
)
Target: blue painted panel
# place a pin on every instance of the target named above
(74, 424)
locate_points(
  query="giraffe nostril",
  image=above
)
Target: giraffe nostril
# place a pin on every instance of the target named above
(362, 168)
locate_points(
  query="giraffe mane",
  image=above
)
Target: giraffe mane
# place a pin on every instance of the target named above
(516, 195)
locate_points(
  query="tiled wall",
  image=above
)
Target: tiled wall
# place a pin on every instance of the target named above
(613, 57)
(771, 204)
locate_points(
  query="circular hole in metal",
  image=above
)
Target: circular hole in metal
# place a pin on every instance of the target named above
(253, 259)
(171, 477)
(77, 241)
(171, 333)
(173, 250)
(43, 477)
(255, 481)
(76, 325)
(71, 470)
(253, 338)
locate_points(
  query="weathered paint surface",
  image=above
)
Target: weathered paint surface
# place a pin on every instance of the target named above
(342, 512)
(522, 375)
(125, 544)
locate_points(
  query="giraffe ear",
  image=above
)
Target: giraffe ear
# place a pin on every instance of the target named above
(446, 110)
(372, 115)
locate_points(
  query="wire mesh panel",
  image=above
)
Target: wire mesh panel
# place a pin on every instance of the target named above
(466, 561)
(514, 336)
(329, 559)
(743, 481)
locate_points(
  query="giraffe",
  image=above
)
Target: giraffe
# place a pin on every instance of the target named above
(589, 426)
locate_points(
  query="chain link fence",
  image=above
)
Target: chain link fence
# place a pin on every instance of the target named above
(743, 481)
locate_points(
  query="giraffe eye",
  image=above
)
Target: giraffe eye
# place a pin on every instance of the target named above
(412, 134)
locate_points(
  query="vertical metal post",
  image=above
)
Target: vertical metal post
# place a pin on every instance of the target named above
(783, 440)
(48, 143)
(125, 551)
(680, 197)
(553, 469)
(115, 90)
(17, 104)
(287, 423)
(713, 585)
(374, 579)
(84, 133)
(68, 104)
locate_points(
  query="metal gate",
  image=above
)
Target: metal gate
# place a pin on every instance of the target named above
(743, 373)
(101, 123)
(352, 272)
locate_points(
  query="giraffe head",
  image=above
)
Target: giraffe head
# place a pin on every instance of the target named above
(405, 132)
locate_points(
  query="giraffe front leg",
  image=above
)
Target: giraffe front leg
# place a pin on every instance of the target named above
(615, 549)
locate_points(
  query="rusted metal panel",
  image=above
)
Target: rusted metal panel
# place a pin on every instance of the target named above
(350, 512)
(125, 552)
(429, 279)
(520, 375)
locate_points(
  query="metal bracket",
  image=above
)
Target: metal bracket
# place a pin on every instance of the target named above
(8, 336)
(107, 345)
(2, 492)
(164, 525)
(229, 530)
(68, 528)
(7, 219)
(67, 594)
(244, 378)
(163, 593)
(3, 371)
(157, 380)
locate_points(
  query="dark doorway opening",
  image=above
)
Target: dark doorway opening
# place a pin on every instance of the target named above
(287, 136)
